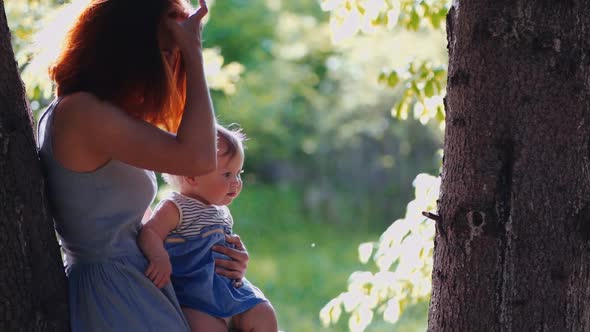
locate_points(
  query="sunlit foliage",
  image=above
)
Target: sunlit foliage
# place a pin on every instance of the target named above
(423, 85)
(423, 82)
(403, 254)
(403, 261)
(351, 16)
(25, 18)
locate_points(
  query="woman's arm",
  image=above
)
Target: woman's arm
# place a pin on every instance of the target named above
(151, 242)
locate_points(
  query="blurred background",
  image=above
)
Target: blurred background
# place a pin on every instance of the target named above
(342, 104)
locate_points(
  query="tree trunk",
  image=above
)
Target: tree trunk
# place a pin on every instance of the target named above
(32, 281)
(512, 250)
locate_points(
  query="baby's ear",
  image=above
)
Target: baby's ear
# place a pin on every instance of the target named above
(191, 180)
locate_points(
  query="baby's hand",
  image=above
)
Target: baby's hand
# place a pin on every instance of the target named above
(159, 271)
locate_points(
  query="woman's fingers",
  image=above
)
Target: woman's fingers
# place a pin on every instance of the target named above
(230, 264)
(202, 11)
(235, 254)
(198, 16)
(236, 241)
(187, 33)
(229, 273)
(230, 269)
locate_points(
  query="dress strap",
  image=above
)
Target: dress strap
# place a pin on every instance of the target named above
(42, 132)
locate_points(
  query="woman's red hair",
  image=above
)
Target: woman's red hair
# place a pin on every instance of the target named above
(112, 51)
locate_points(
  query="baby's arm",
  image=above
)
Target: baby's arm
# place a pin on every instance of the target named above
(151, 242)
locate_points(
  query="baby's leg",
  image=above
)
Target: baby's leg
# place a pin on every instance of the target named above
(261, 318)
(202, 322)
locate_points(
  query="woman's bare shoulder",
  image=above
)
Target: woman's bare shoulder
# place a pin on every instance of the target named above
(87, 110)
(80, 102)
(80, 96)
(77, 121)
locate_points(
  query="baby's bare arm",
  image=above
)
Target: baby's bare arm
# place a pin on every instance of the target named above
(151, 242)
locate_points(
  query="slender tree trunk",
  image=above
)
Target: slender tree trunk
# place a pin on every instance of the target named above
(512, 250)
(32, 281)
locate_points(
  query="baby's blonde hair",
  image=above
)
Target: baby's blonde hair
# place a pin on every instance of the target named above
(234, 143)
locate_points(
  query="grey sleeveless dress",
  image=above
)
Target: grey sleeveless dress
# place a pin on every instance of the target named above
(97, 218)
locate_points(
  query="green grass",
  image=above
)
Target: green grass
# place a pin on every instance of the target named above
(300, 263)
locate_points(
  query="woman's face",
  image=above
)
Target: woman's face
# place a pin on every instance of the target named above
(168, 47)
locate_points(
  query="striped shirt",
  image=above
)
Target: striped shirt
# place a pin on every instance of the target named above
(196, 215)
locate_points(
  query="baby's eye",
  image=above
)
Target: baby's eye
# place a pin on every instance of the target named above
(226, 174)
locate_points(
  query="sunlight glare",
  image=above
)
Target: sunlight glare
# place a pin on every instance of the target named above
(392, 311)
(48, 42)
(360, 319)
(331, 312)
(365, 250)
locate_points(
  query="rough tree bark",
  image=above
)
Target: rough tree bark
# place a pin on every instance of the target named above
(32, 281)
(512, 250)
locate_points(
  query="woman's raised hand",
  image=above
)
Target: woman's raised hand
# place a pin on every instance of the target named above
(187, 34)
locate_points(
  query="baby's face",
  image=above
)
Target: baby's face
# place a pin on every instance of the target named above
(223, 185)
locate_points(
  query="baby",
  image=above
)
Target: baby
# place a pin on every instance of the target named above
(178, 237)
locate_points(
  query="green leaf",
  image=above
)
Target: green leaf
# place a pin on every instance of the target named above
(440, 114)
(412, 67)
(443, 12)
(381, 19)
(348, 5)
(414, 23)
(426, 8)
(424, 71)
(429, 89)
(415, 88)
(435, 20)
(437, 84)
(361, 9)
(384, 18)
(393, 79)
(402, 110)
(440, 74)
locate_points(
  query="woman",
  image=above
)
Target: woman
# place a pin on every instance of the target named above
(131, 99)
